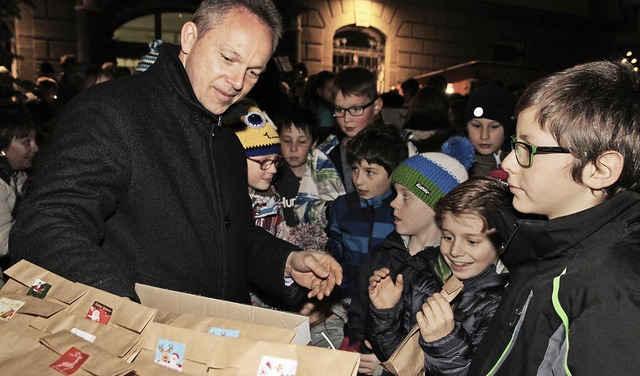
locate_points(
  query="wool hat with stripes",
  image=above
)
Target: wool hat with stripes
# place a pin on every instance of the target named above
(430, 176)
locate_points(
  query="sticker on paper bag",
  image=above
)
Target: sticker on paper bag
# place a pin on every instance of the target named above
(70, 362)
(271, 366)
(39, 289)
(170, 354)
(8, 308)
(99, 313)
(224, 332)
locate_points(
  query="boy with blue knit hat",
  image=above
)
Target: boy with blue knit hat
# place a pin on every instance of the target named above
(419, 182)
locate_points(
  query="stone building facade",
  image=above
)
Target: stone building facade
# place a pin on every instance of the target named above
(402, 38)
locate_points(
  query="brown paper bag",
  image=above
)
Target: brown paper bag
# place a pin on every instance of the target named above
(60, 289)
(105, 308)
(16, 339)
(226, 327)
(408, 358)
(99, 361)
(64, 353)
(164, 346)
(112, 338)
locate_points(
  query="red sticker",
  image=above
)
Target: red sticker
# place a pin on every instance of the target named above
(99, 313)
(70, 362)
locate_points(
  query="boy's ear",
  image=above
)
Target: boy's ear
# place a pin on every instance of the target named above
(605, 171)
(188, 37)
(377, 106)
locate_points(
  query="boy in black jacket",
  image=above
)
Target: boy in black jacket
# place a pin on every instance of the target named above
(575, 160)
(468, 251)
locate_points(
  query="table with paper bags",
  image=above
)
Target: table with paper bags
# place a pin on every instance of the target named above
(51, 326)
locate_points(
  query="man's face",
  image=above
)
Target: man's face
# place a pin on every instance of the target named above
(352, 125)
(224, 64)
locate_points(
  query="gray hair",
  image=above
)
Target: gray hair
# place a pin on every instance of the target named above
(211, 12)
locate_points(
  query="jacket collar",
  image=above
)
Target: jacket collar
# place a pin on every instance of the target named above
(535, 239)
(375, 202)
(170, 68)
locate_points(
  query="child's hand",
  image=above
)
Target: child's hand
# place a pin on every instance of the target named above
(383, 292)
(436, 318)
(368, 362)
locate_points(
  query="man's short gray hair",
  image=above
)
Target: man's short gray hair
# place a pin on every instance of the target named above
(211, 12)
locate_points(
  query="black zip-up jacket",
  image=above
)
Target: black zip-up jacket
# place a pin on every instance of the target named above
(141, 185)
(573, 301)
(452, 354)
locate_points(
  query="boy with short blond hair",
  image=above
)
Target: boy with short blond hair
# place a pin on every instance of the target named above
(575, 161)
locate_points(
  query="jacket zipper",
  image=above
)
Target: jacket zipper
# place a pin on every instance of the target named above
(216, 193)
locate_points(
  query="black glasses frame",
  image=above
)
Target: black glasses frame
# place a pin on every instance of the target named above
(533, 150)
(340, 112)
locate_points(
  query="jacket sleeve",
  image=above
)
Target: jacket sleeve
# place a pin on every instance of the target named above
(6, 219)
(61, 221)
(385, 330)
(452, 354)
(334, 243)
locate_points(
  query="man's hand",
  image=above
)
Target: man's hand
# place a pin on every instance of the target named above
(436, 318)
(383, 292)
(317, 271)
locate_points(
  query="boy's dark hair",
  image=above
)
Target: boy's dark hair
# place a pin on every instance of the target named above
(590, 109)
(410, 87)
(476, 196)
(302, 119)
(356, 81)
(379, 144)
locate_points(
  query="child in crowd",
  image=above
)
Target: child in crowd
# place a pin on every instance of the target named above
(308, 182)
(356, 106)
(259, 137)
(469, 251)
(419, 182)
(490, 124)
(18, 147)
(572, 303)
(361, 220)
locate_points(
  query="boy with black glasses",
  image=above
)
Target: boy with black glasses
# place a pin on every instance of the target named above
(574, 162)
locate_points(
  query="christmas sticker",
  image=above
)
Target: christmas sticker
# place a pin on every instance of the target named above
(99, 313)
(271, 366)
(170, 354)
(70, 362)
(224, 332)
(8, 308)
(39, 289)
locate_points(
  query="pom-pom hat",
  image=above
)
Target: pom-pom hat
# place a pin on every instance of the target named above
(430, 176)
(492, 101)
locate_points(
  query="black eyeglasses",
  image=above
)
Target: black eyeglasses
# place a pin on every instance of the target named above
(266, 163)
(525, 152)
(340, 112)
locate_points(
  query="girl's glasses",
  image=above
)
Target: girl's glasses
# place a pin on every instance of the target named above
(266, 163)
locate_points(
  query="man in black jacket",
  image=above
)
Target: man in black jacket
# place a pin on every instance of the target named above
(143, 183)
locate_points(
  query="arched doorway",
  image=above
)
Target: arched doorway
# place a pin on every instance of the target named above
(355, 46)
(131, 40)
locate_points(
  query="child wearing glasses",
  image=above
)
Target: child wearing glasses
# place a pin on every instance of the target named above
(261, 142)
(573, 300)
(490, 124)
(356, 105)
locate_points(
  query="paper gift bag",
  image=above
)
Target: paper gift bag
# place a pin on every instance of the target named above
(225, 327)
(12, 304)
(176, 349)
(112, 338)
(97, 361)
(105, 308)
(408, 358)
(16, 339)
(246, 357)
(42, 283)
(64, 353)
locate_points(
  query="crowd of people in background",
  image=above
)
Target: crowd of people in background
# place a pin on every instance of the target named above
(405, 206)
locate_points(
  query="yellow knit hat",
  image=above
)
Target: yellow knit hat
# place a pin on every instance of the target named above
(260, 137)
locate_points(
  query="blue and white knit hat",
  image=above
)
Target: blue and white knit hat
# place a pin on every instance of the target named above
(147, 60)
(430, 176)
